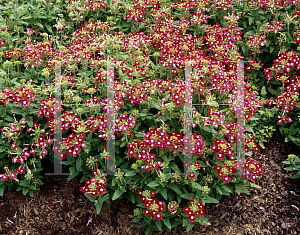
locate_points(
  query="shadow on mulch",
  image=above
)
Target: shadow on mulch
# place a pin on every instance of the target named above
(265, 211)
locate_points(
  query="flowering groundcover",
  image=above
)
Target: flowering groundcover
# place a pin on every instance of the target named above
(149, 44)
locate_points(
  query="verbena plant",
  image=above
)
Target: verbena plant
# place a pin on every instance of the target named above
(149, 44)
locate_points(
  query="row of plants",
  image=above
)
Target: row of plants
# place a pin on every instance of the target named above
(149, 44)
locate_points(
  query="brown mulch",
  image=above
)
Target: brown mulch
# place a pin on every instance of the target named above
(265, 211)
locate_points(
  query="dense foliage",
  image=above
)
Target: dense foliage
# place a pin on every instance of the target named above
(149, 43)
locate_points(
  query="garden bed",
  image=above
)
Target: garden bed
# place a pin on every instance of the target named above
(266, 211)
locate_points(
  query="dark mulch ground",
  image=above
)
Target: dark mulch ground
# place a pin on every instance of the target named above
(265, 211)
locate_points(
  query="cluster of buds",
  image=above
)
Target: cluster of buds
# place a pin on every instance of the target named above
(153, 206)
(194, 210)
(173, 207)
(95, 186)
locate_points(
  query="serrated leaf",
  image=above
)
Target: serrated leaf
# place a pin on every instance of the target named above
(78, 163)
(188, 196)
(118, 193)
(261, 144)
(73, 173)
(149, 230)
(29, 121)
(219, 190)
(153, 184)
(136, 219)
(254, 186)
(211, 200)
(130, 173)
(167, 223)
(132, 197)
(48, 27)
(1, 190)
(189, 227)
(226, 188)
(39, 24)
(159, 225)
(164, 193)
(175, 188)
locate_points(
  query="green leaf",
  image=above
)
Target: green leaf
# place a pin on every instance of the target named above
(2, 190)
(48, 27)
(204, 221)
(211, 200)
(132, 197)
(185, 222)
(39, 24)
(208, 129)
(130, 173)
(164, 193)
(29, 121)
(159, 225)
(254, 185)
(153, 184)
(196, 186)
(98, 206)
(9, 119)
(167, 223)
(149, 230)
(136, 219)
(219, 190)
(123, 144)
(87, 148)
(241, 189)
(226, 188)
(189, 227)
(296, 176)
(175, 188)
(25, 191)
(188, 196)
(250, 20)
(90, 197)
(142, 224)
(78, 163)
(2, 149)
(73, 173)
(117, 194)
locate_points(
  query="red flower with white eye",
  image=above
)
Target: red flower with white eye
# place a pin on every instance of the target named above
(153, 193)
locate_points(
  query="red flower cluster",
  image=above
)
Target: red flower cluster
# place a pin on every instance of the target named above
(13, 52)
(252, 168)
(23, 95)
(194, 210)
(256, 42)
(95, 186)
(153, 206)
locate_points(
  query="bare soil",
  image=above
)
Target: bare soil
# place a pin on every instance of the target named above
(266, 211)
